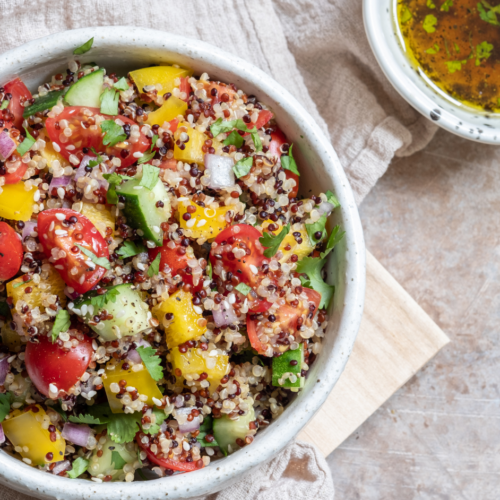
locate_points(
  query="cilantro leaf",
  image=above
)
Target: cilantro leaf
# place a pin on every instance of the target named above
(431, 4)
(98, 261)
(122, 427)
(5, 104)
(272, 242)
(85, 419)
(316, 227)
(26, 144)
(5, 401)
(256, 139)
(109, 101)
(333, 239)
(234, 139)
(121, 84)
(147, 156)
(243, 288)
(21, 283)
(447, 5)
(405, 14)
(154, 267)
(220, 126)
(209, 269)
(130, 248)
(114, 133)
(114, 180)
(331, 198)
(160, 418)
(483, 52)
(288, 162)
(429, 23)
(454, 66)
(80, 465)
(433, 50)
(243, 167)
(100, 301)
(61, 324)
(84, 48)
(151, 361)
(150, 176)
(490, 16)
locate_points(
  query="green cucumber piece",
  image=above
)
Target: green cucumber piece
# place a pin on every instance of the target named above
(281, 365)
(129, 316)
(47, 101)
(114, 457)
(227, 431)
(141, 211)
(86, 91)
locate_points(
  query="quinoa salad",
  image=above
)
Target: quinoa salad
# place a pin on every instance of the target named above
(162, 286)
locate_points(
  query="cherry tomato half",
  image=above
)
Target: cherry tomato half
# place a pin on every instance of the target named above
(47, 363)
(246, 268)
(177, 262)
(19, 93)
(264, 116)
(11, 252)
(185, 87)
(168, 463)
(216, 91)
(15, 177)
(287, 317)
(277, 139)
(91, 136)
(61, 236)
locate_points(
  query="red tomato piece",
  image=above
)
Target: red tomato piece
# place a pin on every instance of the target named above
(277, 139)
(170, 164)
(61, 236)
(259, 305)
(220, 90)
(87, 137)
(177, 262)
(173, 125)
(264, 116)
(185, 87)
(168, 463)
(11, 252)
(15, 177)
(47, 363)
(20, 94)
(246, 268)
(287, 317)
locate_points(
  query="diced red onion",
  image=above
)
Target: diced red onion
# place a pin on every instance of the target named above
(192, 426)
(4, 369)
(80, 171)
(163, 426)
(28, 229)
(61, 466)
(19, 323)
(7, 145)
(72, 295)
(133, 355)
(220, 169)
(325, 208)
(179, 401)
(76, 433)
(225, 315)
(2, 435)
(59, 181)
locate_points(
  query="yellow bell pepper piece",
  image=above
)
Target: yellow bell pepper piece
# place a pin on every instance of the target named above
(171, 109)
(192, 151)
(50, 154)
(205, 222)
(10, 338)
(27, 432)
(301, 250)
(141, 380)
(163, 75)
(15, 202)
(101, 219)
(184, 325)
(53, 285)
(192, 363)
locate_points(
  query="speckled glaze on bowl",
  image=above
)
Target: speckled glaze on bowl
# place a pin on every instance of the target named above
(412, 83)
(125, 48)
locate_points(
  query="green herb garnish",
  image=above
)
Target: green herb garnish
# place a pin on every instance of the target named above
(61, 324)
(150, 176)
(25, 146)
(243, 167)
(243, 288)
(98, 261)
(234, 139)
(429, 23)
(154, 267)
(5, 402)
(151, 361)
(109, 101)
(121, 84)
(317, 227)
(131, 248)
(288, 162)
(272, 242)
(84, 48)
(114, 133)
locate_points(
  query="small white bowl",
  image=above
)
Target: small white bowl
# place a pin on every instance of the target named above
(381, 27)
(122, 49)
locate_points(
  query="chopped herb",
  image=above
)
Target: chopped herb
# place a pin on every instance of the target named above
(154, 267)
(84, 48)
(122, 427)
(5, 401)
(109, 101)
(5, 104)
(85, 419)
(405, 14)
(243, 288)
(25, 146)
(148, 156)
(272, 242)
(160, 418)
(98, 261)
(331, 198)
(317, 227)
(114, 133)
(447, 5)
(454, 66)
(433, 50)
(221, 126)
(209, 269)
(21, 283)
(457, 48)
(114, 180)
(243, 167)
(5, 309)
(151, 361)
(121, 84)
(431, 4)
(483, 51)
(130, 248)
(288, 162)
(429, 24)
(80, 465)
(100, 301)
(150, 176)
(256, 139)
(234, 139)
(61, 324)
(99, 159)
(490, 15)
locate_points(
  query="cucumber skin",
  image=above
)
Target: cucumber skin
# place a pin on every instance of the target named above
(106, 459)
(138, 206)
(226, 431)
(282, 365)
(87, 90)
(141, 317)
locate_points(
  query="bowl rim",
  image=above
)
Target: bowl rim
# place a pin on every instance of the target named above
(23, 478)
(457, 118)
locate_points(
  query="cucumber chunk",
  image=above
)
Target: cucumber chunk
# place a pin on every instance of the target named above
(125, 305)
(86, 91)
(114, 457)
(227, 431)
(141, 210)
(283, 370)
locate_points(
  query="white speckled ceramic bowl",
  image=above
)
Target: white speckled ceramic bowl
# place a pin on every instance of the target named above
(412, 83)
(125, 48)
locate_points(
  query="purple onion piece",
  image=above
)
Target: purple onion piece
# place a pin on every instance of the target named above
(80, 171)
(2, 435)
(4, 369)
(28, 229)
(325, 208)
(76, 433)
(133, 355)
(220, 169)
(7, 145)
(61, 466)
(225, 315)
(179, 401)
(60, 181)
(72, 295)
(192, 426)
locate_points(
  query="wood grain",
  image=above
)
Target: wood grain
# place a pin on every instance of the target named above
(395, 340)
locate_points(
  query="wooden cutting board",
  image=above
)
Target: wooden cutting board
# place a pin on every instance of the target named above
(395, 340)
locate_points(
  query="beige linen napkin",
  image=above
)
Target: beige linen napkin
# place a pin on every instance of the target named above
(317, 49)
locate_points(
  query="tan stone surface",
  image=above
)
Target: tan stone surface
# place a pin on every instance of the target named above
(432, 221)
